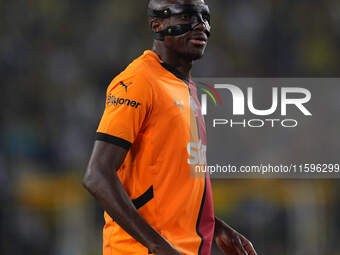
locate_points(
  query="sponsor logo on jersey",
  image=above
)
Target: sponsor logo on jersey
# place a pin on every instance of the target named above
(113, 100)
(197, 153)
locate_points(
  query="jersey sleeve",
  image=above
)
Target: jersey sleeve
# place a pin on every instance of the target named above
(128, 103)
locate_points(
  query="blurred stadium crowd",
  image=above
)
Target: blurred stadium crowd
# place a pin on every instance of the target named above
(56, 59)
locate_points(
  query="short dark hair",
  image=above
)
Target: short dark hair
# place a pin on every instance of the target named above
(157, 2)
(153, 3)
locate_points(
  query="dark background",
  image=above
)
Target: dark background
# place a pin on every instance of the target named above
(56, 59)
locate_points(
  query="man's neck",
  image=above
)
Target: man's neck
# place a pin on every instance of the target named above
(182, 65)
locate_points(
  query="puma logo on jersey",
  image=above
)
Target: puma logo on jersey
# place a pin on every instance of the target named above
(125, 85)
(179, 104)
(122, 101)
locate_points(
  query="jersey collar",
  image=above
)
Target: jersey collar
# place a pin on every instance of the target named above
(168, 67)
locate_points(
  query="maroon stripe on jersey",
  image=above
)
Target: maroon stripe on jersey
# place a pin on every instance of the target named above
(200, 119)
(206, 224)
(206, 219)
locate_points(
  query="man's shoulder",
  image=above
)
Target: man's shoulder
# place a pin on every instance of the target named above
(143, 69)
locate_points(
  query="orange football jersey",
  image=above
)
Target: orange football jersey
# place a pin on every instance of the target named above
(155, 114)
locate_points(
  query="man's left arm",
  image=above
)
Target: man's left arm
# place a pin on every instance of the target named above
(230, 241)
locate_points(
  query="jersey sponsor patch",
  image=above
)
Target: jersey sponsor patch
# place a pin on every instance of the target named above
(113, 100)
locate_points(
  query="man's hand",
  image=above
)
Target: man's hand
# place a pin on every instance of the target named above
(167, 249)
(230, 241)
(102, 181)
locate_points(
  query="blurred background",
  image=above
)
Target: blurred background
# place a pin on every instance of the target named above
(56, 59)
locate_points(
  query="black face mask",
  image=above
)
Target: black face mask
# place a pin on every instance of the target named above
(195, 14)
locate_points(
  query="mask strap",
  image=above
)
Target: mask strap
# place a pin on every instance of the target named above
(176, 29)
(173, 31)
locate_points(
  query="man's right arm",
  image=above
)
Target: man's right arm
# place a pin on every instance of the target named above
(102, 181)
